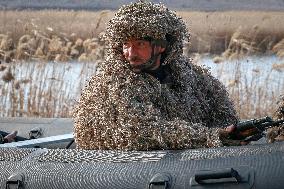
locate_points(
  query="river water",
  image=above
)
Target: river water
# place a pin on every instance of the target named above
(61, 83)
(261, 71)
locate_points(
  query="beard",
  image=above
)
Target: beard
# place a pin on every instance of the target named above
(144, 67)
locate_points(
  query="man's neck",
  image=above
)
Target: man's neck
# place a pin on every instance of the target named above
(161, 73)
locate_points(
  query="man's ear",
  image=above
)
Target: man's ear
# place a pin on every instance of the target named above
(162, 49)
(159, 49)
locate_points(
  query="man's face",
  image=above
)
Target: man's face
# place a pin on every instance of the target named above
(142, 55)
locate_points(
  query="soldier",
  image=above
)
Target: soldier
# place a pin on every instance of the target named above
(147, 95)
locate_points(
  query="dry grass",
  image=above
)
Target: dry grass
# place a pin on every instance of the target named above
(40, 89)
(50, 34)
(212, 31)
(31, 92)
(34, 35)
(254, 90)
(79, 24)
(252, 99)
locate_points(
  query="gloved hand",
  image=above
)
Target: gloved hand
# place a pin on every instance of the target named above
(9, 137)
(225, 137)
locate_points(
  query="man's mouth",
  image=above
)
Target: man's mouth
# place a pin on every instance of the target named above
(137, 66)
(135, 61)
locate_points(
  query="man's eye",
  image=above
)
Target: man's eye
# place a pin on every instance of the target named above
(141, 43)
(126, 45)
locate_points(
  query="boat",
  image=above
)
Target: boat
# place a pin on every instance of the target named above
(50, 160)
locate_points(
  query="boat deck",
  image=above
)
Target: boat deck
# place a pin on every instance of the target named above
(49, 132)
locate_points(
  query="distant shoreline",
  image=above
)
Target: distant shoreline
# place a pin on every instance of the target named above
(189, 5)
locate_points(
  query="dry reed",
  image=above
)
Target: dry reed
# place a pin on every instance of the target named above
(36, 93)
(254, 95)
(36, 35)
(40, 90)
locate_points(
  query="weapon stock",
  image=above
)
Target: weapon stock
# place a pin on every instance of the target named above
(252, 130)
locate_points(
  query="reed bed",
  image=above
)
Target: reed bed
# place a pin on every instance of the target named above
(252, 98)
(63, 35)
(40, 89)
(253, 88)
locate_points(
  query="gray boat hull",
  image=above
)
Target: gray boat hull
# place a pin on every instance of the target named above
(258, 166)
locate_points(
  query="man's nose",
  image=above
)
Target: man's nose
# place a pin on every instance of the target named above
(131, 51)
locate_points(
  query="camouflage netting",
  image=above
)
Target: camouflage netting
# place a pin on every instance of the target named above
(279, 113)
(123, 110)
(277, 133)
(139, 20)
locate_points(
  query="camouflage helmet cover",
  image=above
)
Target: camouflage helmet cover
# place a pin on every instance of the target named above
(145, 19)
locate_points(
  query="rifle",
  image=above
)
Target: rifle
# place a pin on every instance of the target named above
(253, 130)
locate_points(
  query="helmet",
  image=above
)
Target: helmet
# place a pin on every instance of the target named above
(147, 20)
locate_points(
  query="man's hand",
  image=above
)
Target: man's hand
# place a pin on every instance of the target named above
(225, 137)
(10, 137)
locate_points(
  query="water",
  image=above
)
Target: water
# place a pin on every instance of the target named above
(45, 89)
(70, 76)
(253, 70)
(45, 86)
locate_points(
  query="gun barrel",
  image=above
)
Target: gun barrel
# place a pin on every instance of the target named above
(271, 124)
(253, 127)
(253, 123)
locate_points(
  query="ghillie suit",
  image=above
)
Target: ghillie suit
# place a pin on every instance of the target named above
(279, 113)
(123, 110)
(277, 133)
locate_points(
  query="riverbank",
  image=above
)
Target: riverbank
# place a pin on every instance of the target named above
(75, 36)
(192, 5)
